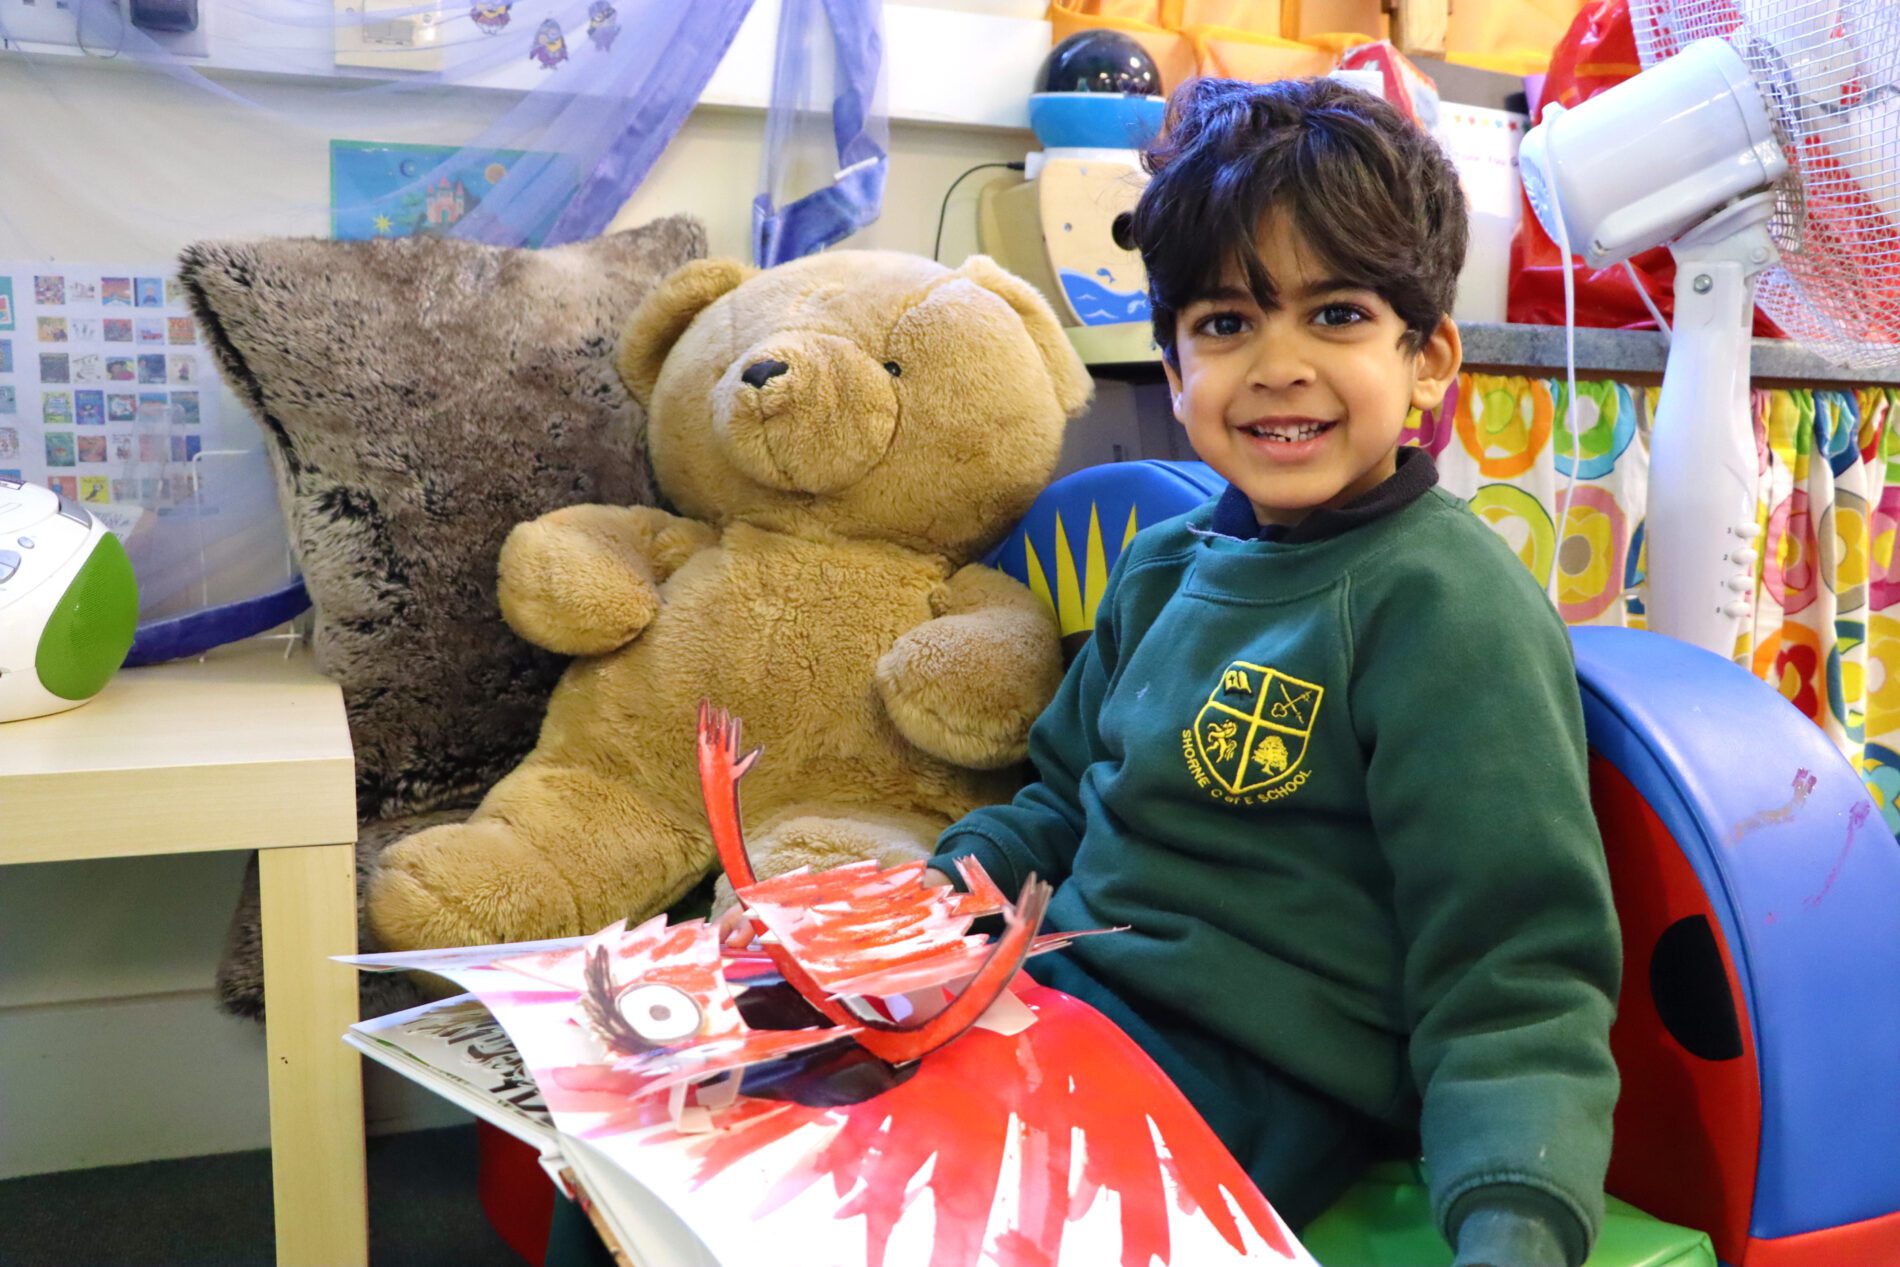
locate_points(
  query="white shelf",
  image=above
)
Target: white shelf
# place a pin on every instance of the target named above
(1129, 348)
(947, 68)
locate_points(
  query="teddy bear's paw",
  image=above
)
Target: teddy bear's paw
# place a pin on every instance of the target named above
(962, 689)
(819, 837)
(573, 595)
(467, 884)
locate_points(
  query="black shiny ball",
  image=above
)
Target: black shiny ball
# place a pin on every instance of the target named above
(1099, 61)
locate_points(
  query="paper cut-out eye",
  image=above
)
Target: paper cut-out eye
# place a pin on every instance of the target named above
(660, 1013)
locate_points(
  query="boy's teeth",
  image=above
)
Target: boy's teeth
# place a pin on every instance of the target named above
(1288, 435)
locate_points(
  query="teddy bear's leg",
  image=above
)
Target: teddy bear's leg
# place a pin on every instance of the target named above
(554, 851)
(819, 837)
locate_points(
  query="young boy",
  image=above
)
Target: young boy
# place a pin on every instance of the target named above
(1324, 753)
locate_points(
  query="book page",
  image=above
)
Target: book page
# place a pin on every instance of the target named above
(641, 1228)
(1058, 1145)
(456, 1048)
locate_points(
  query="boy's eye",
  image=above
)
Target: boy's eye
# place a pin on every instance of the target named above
(1221, 325)
(1338, 315)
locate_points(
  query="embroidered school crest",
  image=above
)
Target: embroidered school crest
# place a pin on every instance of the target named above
(1247, 743)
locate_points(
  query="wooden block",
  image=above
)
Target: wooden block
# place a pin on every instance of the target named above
(1420, 27)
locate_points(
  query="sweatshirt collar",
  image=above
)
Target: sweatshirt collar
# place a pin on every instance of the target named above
(1416, 473)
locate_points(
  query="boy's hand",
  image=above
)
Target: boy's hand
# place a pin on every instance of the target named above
(735, 927)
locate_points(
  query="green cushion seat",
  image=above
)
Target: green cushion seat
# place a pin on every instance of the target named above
(1385, 1220)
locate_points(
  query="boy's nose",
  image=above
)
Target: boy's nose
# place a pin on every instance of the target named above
(1278, 368)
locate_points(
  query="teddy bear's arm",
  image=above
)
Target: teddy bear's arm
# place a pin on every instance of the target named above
(966, 685)
(584, 580)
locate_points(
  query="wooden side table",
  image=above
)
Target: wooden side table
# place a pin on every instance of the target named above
(246, 749)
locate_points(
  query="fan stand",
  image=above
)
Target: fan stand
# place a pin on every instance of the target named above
(1703, 462)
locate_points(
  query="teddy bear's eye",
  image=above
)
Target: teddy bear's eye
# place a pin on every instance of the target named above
(894, 368)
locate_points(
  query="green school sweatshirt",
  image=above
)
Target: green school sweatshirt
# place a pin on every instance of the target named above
(1337, 789)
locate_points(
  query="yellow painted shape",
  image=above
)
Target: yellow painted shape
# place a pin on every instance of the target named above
(1129, 534)
(1095, 572)
(1069, 616)
(1038, 583)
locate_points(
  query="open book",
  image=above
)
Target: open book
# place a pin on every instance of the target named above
(1060, 1143)
(872, 1085)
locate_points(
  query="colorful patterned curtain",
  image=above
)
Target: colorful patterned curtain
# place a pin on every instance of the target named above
(1827, 610)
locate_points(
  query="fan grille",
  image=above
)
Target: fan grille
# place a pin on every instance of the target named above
(1829, 72)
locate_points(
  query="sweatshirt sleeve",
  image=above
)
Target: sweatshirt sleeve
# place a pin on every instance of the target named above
(1040, 830)
(1478, 784)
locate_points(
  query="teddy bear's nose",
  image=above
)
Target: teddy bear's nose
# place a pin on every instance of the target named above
(759, 373)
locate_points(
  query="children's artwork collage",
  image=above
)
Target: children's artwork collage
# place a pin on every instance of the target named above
(106, 389)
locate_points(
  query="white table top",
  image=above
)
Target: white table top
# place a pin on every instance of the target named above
(246, 749)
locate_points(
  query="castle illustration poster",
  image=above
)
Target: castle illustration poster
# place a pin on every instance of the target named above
(387, 190)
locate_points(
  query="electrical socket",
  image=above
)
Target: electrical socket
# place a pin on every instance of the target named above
(389, 34)
(40, 21)
(106, 25)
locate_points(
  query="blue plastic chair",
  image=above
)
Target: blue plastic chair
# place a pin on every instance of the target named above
(1069, 540)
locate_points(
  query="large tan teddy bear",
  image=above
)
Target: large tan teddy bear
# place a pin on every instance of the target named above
(841, 436)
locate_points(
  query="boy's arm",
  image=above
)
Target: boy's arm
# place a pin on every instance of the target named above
(1479, 789)
(1041, 829)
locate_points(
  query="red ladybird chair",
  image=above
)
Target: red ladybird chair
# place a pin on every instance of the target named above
(1758, 889)
(1759, 893)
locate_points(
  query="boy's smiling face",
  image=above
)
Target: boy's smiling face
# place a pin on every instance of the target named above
(1301, 405)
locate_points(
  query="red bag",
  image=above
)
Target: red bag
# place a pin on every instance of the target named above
(1597, 52)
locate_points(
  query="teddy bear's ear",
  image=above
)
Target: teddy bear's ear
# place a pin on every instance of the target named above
(663, 316)
(1072, 382)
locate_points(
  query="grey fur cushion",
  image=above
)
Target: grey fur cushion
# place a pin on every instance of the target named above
(424, 395)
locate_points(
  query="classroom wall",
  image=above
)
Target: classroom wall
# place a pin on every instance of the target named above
(111, 1047)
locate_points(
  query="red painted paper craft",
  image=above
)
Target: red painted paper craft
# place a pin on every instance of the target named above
(877, 1087)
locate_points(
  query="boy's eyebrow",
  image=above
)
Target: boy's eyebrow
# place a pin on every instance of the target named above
(1326, 285)
(1240, 294)
(1223, 295)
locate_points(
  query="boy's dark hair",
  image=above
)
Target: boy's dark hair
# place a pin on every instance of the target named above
(1366, 188)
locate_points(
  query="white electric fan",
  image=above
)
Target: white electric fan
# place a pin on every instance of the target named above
(1762, 143)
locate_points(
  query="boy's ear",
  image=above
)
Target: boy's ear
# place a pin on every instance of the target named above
(1439, 359)
(1174, 387)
